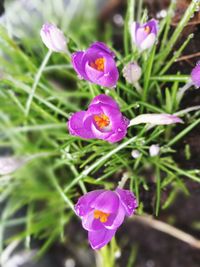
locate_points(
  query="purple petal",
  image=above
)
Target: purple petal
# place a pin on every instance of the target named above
(76, 125)
(153, 24)
(102, 46)
(99, 239)
(117, 136)
(109, 79)
(120, 130)
(104, 99)
(107, 202)
(77, 61)
(115, 220)
(93, 74)
(83, 205)
(89, 223)
(195, 75)
(128, 200)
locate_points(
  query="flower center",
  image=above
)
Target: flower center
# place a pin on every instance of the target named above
(98, 64)
(147, 29)
(102, 216)
(101, 120)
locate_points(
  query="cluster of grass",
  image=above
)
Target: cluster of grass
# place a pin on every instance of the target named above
(62, 167)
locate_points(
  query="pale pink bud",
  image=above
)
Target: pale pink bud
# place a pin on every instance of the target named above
(53, 38)
(144, 35)
(154, 150)
(156, 119)
(132, 72)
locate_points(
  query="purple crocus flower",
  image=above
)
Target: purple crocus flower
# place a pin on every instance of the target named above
(53, 38)
(195, 75)
(96, 65)
(144, 35)
(102, 120)
(102, 212)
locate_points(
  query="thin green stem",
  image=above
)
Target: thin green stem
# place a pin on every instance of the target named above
(36, 81)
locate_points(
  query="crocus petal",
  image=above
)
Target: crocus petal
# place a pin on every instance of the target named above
(89, 223)
(115, 220)
(53, 38)
(133, 29)
(141, 35)
(104, 99)
(98, 239)
(107, 202)
(109, 79)
(195, 75)
(156, 119)
(148, 42)
(76, 127)
(93, 74)
(83, 205)
(102, 46)
(153, 24)
(77, 64)
(128, 200)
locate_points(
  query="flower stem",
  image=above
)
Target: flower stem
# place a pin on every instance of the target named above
(182, 90)
(37, 79)
(124, 179)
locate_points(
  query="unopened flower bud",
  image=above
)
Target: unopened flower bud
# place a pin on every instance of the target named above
(154, 150)
(135, 154)
(132, 72)
(53, 38)
(144, 35)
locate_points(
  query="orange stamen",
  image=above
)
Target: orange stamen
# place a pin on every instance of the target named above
(101, 120)
(102, 216)
(147, 29)
(98, 64)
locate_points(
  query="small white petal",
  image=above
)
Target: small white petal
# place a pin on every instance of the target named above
(148, 42)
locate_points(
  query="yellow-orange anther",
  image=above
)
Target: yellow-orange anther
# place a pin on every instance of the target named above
(147, 29)
(98, 64)
(101, 120)
(102, 216)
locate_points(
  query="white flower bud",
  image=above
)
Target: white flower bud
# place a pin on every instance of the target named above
(132, 72)
(154, 150)
(135, 154)
(53, 38)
